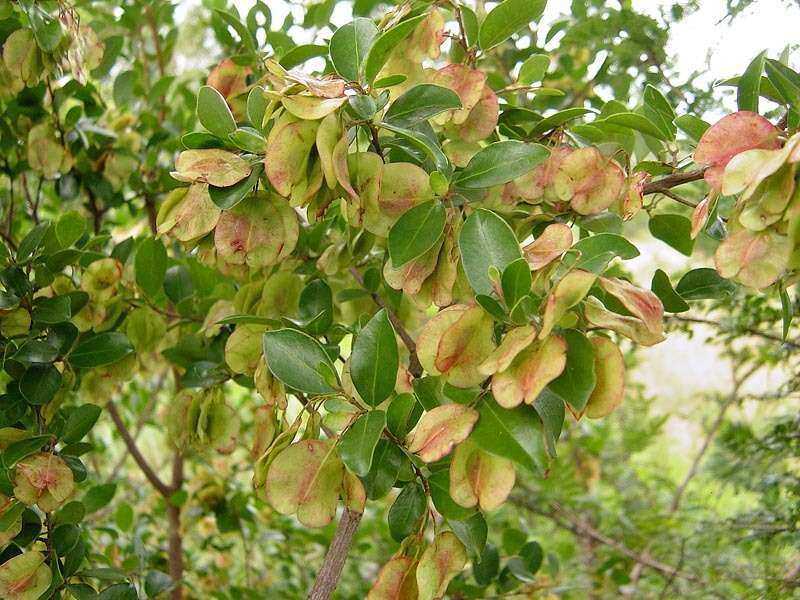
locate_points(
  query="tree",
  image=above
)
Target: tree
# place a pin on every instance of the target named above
(396, 279)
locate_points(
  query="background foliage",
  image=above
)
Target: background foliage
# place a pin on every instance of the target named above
(133, 421)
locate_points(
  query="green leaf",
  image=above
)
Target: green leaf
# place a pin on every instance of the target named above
(516, 281)
(749, 87)
(11, 514)
(150, 265)
(514, 433)
(80, 422)
(386, 462)
(506, 19)
(349, 47)
(19, 450)
(375, 360)
(316, 307)
(439, 484)
(674, 230)
(214, 113)
(240, 28)
(557, 120)
(600, 249)
(35, 352)
(704, 284)
(46, 28)
(420, 103)
(501, 162)
(357, 445)
(300, 54)
(156, 582)
(69, 228)
(576, 383)
(692, 126)
(429, 147)
(403, 413)
(385, 43)
(64, 538)
(101, 350)
(31, 242)
(407, 511)
(472, 532)
(248, 139)
(551, 410)
(99, 496)
(637, 122)
(228, 197)
(416, 232)
(52, 310)
(785, 80)
(299, 361)
(40, 383)
(486, 240)
(662, 288)
(486, 568)
(533, 69)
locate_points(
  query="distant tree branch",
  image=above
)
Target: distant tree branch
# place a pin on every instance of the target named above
(163, 489)
(580, 528)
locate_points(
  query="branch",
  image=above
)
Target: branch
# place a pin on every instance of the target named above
(328, 576)
(580, 528)
(414, 366)
(748, 330)
(130, 443)
(670, 181)
(710, 435)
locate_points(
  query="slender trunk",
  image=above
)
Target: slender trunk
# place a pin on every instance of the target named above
(328, 576)
(175, 555)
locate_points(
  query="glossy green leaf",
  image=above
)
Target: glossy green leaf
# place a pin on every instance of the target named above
(514, 433)
(577, 381)
(420, 103)
(214, 113)
(80, 422)
(150, 265)
(416, 232)
(299, 361)
(375, 360)
(386, 463)
(516, 281)
(637, 122)
(406, 513)
(692, 126)
(597, 251)
(472, 532)
(439, 483)
(40, 383)
(486, 240)
(101, 350)
(533, 69)
(349, 47)
(551, 410)
(506, 19)
(661, 287)
(704, 284)
(301, 53)
(357, 445)
(749, 88)
(384, 44)
(674, 230)
(228, 197)
(785, 80)
(499, 163)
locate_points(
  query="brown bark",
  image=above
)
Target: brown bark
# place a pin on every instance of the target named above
(328, 576)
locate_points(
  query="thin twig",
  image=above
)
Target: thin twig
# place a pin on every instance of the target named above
(659, 186)
(165, 490)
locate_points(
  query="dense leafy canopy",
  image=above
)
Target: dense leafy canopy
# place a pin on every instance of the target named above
(382, 274)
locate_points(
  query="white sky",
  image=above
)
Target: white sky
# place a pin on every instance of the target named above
(695, 42)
